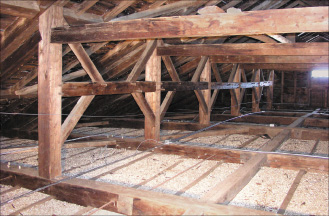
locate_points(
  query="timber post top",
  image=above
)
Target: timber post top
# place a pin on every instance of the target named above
(308, 19)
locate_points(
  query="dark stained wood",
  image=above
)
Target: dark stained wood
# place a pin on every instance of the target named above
(249, 23)
(85, 88)
(100, 193)
(269, 59)
(19, 57)
(49, 99)
(84, 6)
(246, 49)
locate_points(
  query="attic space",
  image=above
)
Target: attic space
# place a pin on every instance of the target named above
(164, 107)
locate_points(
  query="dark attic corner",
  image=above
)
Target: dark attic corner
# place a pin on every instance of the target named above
(164, 107)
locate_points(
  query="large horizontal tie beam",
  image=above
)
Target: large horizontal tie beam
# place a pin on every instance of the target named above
(308, 19)
(269, 59)
(247, 50)
(71, 89)
(284, 67)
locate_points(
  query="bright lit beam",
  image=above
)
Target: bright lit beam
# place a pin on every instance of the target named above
(321, 72)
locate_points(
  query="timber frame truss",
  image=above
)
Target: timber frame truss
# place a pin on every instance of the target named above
(147, 94)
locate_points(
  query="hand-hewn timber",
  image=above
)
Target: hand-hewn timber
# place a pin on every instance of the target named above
(204, 115)
(246, 23)
(235, 76)
(153, 73)
(49, 98)
(86, 88)
(285, 67)
(274, 59)
(99, 193)
(247, 49)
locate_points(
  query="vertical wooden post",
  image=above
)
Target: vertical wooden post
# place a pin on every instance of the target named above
(204, 117)
(235, 93)
(49, 98)
(153, 73)
(309, 84)
(270, 91)
(282, 86)
(325, 104)
(256, 91)
(295, 88)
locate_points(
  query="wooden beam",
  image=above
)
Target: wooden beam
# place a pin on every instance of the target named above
(284, 67)
(256, 93)
(84, 6)
(153, 73)
(269, 92)
(100, 193)
(141, 63)
(86, 88)
(143, 105)
(204, 117)
(74, 116)
(274, 59)
(27, 8)
(175, 77)
(227, 189)
(248, 23)
(235, 93)
(49, 99)
(117, 10)
(246, 49)
(86, 62)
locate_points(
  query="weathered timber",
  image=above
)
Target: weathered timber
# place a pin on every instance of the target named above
(246, 49)
(226, 190)
(74, 116)
(256, 91)
(143, 105)
(29, 9)
(285, 67)
(49, 99)
(249, 23)
(204, 115)
(86, 62)
(284, 161)
(153, 73)
(100, 193)
(273, 59)
(117, 10)
(141, 63)
(235, 76)
(86, 88)
(20, 56)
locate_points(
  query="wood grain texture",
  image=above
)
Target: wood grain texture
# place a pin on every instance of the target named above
(309, 19)
(49, 99)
